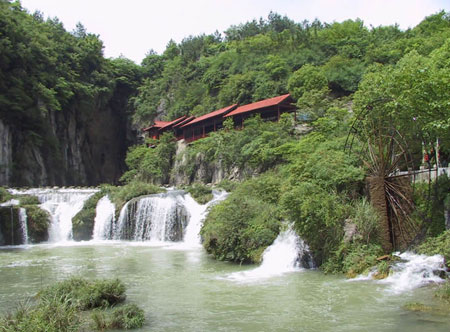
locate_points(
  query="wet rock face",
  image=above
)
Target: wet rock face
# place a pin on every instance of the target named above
(71, 147)
(10, 231)
(5, 153)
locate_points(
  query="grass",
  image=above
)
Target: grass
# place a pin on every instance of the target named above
(62, 307)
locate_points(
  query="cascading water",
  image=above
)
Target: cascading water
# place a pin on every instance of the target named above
(23, 225)
(411, 272)
(288, 253)
(197, 214)
(104, 219)
(63, 205)
(157, 218)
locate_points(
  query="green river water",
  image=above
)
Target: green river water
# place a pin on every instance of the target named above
(185, 290)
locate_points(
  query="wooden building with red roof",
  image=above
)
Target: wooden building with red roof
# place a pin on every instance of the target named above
(192, 128)
(269, 109)
(159, 127)
(200, 127)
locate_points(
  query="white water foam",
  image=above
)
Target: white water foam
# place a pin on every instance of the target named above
(197, 214)
(104, 219)
(412, 272)
(279, 258)
(23, 225)
(62, 204)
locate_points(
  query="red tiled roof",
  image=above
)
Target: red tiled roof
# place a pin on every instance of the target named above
(220, 112)
(259, 104)
(184, 121)
(171, 123)
(157, 124)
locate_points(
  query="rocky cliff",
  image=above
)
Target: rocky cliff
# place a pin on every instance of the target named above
(75, 146)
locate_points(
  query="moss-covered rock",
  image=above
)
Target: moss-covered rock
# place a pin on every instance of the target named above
(38, 222)
(83, 221)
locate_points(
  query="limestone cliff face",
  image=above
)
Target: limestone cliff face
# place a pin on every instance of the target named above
(5, 153)
(186, 171)
(72, 147)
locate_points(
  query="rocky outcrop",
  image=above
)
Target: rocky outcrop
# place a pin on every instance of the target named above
(5, 153)
(75, 146)
(198, 169)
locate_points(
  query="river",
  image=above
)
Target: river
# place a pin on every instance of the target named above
(185, 290)
(181, 288)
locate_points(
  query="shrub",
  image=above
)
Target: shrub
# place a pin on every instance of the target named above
(83, 221)
(120, 195)
(227, 185)
(28, 200)
(4, 195)
(128, 316)
(200, 192)
(240, 228)
(318, 216)
(84, 294)
(439, 245)
(38, 222)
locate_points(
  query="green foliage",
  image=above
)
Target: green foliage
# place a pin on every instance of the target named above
(59, 308)
(84, 295)
(38, 222)
(241, 227)
(439, 245)
(430, 204)
(128, 316)
(83, 221)
(28, 200)
(120, 195)
(366, 220)
(227, 185)
(151, 164)
(4, 195)
(50, 315)
(200, 192)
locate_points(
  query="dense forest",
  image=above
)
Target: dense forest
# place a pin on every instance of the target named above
(370, 101)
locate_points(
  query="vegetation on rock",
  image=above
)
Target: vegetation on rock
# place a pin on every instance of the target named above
(60, 308)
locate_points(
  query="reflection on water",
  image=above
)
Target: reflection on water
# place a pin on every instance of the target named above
(184, 289)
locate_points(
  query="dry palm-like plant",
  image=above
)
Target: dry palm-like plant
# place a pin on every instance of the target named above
(383, 152)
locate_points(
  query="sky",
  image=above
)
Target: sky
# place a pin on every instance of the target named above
(131, 28)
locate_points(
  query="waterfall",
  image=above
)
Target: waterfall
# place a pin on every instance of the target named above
(288, 253)
(197, 214)
(62, 204)
(23, 225)
(172, 216)
(156, 218)
(411, 272)
(104, 219)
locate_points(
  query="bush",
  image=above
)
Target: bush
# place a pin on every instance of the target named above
(83, 221)
(439, 245)
(241, 227)
(128, 316)
(318, 216)
(38, 222)
(84, 294)
(28, 200)
(51, 315)
(4, 195)
(227, 185)
(59, 308)
(200, 192)
(120, 195)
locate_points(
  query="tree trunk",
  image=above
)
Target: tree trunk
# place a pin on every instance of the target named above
(378, 200)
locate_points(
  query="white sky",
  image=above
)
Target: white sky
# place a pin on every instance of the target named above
(132, 27)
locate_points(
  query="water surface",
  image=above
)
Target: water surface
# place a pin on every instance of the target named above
(185, 290)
